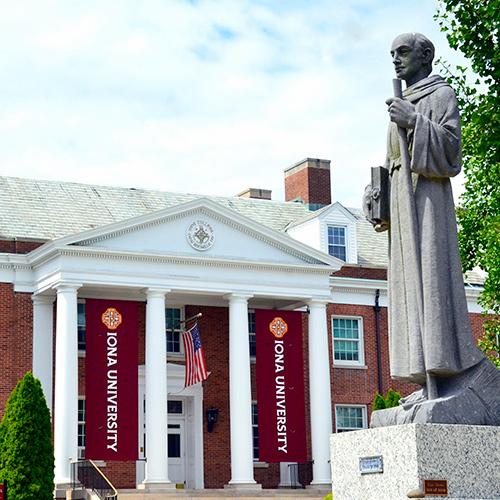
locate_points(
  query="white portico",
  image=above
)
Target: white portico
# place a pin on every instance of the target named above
(198, 253)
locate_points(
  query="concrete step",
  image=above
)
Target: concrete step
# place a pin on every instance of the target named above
(224, 494)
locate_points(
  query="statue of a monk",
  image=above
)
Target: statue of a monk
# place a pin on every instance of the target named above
(430, 337)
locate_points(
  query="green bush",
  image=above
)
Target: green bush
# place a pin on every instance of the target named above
(390, 400)
(328, 497)
(378, 402)
(26, 450)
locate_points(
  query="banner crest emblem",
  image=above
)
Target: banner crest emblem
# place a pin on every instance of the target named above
(278, 327)
(111, 318)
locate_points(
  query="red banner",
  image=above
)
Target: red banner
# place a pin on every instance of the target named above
(111, 380)
(280, 386)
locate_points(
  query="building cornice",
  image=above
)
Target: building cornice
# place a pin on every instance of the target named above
(105, 254)
(14, 261)
(363, 286)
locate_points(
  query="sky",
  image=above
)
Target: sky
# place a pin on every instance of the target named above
(200, 96)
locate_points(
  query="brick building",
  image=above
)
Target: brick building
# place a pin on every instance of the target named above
(63, 243)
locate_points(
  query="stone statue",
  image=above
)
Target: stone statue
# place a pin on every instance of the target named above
(430, 338)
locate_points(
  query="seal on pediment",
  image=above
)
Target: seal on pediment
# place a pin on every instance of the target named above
(200, 235)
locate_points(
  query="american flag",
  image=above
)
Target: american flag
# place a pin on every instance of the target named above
(196, 370)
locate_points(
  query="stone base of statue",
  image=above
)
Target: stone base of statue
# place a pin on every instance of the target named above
(471, 398)
(417, 461)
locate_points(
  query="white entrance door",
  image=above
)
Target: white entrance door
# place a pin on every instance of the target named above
(184, 433)
(176, 451)
(176, 442)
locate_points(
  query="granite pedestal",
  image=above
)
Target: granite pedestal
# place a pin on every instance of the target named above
(466, 456)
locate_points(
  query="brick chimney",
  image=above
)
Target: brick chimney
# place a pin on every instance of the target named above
(308, 181)
(256, 194)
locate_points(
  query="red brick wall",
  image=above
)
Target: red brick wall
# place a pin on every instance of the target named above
(319, 186)
(362, 272)
(120, 474)
(214, 328)
(17, 246)
(296, 186)
(16, 319)
(358, 386)
(349, 386)
(476, 322)
(311, 184)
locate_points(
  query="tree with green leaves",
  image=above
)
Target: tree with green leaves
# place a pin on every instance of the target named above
(26, 450)
(473, 28)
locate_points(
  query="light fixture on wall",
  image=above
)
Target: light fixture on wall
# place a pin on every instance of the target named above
(212, 417)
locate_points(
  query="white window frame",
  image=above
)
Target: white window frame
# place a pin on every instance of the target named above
(346, 239)
(180, 354)
(81, 449)
(364, 415)
(252, 334)
(361, 343)
(255, 429)
(81, 352)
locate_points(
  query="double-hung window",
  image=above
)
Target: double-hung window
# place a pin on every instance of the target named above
(337, 246)
(81, 428)
(81, 326)
(173, 324)
(252, 333)
(348, 348)
(350, 417)
(255, 431)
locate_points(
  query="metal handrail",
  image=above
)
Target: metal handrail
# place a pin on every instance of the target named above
(85, 474)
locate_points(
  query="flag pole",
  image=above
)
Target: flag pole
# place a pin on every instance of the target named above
(185, 321)
(192, 318)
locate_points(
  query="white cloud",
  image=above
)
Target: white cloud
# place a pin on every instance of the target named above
(210, 96)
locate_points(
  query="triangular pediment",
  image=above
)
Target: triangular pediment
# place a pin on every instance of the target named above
(335, 210)
(203, 229)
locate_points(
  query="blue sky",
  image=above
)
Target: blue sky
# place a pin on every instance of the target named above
(202, 96)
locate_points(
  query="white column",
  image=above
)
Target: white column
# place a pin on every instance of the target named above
(240, 394)
(43, 317)
(319, 392)
(66, 383)
(156, 392)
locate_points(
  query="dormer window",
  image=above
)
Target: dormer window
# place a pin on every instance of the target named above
(337, 242)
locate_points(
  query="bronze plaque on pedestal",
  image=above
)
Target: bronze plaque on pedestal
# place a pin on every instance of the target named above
(436, 487)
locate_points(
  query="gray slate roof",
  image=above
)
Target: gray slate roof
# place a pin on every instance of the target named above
(46, 210)
(373, 247)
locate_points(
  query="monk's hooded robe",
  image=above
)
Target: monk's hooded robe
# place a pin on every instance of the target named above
(429, 328)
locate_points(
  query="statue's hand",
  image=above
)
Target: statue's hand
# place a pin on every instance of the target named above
(367, 203)
(402, 112)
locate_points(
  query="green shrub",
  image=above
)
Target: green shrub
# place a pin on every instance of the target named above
(390, 400)
(26, 450)
(328, 497)
(378, 402)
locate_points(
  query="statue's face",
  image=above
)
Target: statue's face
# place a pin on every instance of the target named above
(408, 60)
